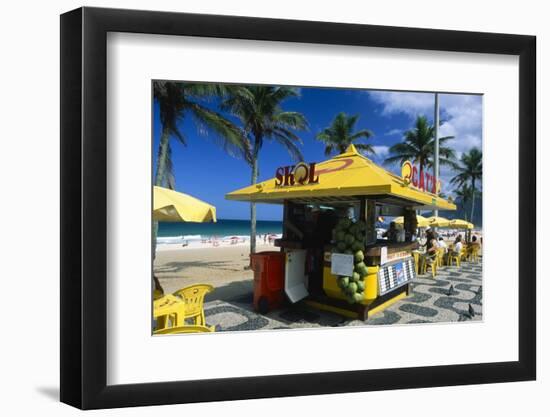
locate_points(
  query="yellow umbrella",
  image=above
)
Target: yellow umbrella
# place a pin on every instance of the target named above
(435, 221)
(171, 206)
(421, 221)
(460, 224)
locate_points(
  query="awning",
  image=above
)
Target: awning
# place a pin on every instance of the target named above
(345, 177)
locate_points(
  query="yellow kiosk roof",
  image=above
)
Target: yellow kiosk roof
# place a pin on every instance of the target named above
(343, 178)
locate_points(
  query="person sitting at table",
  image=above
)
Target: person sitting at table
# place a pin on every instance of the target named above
(441, 243)
(474, 245)
(431, 247)
(457, 248)
(391, 233)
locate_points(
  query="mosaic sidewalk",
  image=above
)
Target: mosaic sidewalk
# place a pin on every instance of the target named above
(455, 295)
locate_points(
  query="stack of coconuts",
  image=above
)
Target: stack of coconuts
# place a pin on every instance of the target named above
(349, 237)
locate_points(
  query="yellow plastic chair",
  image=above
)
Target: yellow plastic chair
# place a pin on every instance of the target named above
(464, 253)
(433, 267)
(169, 311)
(416, 257)
(473, 253)
(185, 329)
(193, 297)
(439, 257)
(453, 256)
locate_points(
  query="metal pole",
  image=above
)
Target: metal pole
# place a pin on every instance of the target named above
(436, 138)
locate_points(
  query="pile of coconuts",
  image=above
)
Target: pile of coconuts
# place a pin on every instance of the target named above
(349, 238)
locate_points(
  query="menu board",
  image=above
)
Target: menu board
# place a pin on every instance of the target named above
(341, 264)
(395, 274)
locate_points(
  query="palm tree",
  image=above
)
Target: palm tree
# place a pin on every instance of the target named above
(262, 118)
(340, 134)
(470, 169)
(464, 193)
(176, 100)
(418, 146)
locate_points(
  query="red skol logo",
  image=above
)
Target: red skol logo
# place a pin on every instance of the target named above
(300, 173)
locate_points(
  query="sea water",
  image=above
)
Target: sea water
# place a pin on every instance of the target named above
(223, 229)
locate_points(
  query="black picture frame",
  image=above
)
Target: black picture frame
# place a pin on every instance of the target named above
(84, 206)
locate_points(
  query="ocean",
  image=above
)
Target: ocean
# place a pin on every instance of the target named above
(223, 228)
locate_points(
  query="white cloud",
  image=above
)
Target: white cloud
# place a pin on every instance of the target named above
(411, 104)
(381, 150)
(393, 132)
(461, 115)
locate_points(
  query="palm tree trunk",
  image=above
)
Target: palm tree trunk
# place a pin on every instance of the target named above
(253, 207)
(159, 176)
(161, 157)
(473, 199)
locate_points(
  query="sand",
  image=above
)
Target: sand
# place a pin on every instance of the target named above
(224, 267)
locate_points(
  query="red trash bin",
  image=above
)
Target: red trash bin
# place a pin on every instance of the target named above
(269, 279)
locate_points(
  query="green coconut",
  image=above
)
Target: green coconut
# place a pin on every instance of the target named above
(341, 246)
(340, 235)
(345, 223)
(352, 288)
(359, 257)
(357, 246)
(350, 298)
(360, 286)
(358, 297)
(355, 277)
(343, 282)
(361, 268)
(349, 239)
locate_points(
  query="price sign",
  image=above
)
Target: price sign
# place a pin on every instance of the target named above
(341, 264)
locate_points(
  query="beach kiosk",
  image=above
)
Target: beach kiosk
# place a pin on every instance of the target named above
(334, 259)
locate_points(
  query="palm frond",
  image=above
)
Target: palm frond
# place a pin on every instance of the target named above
(290, 146)
(365, 148)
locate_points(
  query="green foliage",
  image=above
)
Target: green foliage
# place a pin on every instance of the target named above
(418, 146)
(176, 100)
(341, 133)
(259, 110)
(469, 171)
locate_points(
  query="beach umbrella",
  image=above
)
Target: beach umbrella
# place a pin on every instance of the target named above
(436, 221)
(420, 220)
(460, 224)
(172, 206)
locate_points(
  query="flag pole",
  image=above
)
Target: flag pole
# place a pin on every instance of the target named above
(436, 138)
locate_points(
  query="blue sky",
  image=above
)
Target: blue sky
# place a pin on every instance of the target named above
(205, 171)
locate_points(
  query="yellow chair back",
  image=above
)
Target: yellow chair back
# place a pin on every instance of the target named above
(193, 297)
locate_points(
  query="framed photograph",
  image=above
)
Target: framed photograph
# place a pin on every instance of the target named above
(261, 208)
